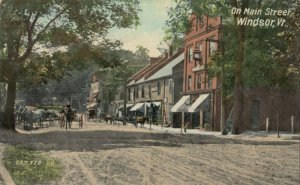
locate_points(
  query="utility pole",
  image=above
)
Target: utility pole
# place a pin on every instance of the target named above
(125, 96)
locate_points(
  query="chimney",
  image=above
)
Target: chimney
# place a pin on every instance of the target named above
(166, 54)
(171, 50)
(153, 59)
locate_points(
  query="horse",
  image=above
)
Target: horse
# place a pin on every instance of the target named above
(61, 119)
(79, 118)
(141, 120)
(69, 115)
(109, 118)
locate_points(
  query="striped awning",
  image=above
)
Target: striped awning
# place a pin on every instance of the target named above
(138, 106)
(182, 105)
(199, 103)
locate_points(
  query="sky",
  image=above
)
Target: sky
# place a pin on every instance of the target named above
(149, 33)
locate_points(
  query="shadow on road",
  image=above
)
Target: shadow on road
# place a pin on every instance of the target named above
(110, 139)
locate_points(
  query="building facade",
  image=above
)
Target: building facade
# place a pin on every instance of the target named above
(151, 90)
(93, 99)
(200, 103)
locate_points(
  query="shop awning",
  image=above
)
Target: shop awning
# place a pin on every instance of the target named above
(199, 103)
(137, 106)
(127, 106)
(91, 106)
(156, 103)
(182, 105)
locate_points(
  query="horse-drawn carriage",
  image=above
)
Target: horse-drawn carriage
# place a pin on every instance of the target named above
(32, 117)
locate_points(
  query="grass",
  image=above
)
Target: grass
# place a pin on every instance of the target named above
(28, 167)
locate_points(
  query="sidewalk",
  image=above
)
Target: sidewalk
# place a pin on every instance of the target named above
(178, 130)
(273, 134)
(258, 134)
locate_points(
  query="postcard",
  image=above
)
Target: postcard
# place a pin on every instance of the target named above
(149, 92)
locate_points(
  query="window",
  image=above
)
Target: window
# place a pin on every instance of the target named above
(198, 46)
(158, 88)
(198, 81)
(129, 95)
(212, 48)
(149, 91)
(134, 94)
(137, 92)
(190, 53)
(189, 82)
(170, 86)
(209, 83)
(143, 92)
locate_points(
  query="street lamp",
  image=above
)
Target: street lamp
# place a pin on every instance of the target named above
(197, 55)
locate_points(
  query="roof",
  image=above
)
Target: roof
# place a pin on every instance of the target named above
(149, 69)
(145, 69)
(162, 64)
(159, 69)
(165, 71)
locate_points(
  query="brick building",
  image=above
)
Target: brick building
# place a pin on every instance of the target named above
(200, 101)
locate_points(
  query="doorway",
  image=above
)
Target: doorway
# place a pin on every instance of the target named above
(255, 115)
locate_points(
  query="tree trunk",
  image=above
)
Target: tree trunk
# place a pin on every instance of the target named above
(238, 84)
(9, 119)
(237, 115)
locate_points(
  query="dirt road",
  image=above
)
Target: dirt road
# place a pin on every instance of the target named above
(103, 154)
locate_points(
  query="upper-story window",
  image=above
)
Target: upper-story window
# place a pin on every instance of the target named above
(137, 92)
(171, 86)
(134, 94)
(129, 94)
(190, 53)
(198, 81)
(212, 48)
(198, 46)
(149, 90)
(158, 88)
(189, 82)
(209, 83)
(143, 92)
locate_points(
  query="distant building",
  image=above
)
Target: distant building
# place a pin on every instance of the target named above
(93, 99)
(151, 90)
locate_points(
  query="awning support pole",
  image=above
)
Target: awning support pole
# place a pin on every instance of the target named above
(182, 121)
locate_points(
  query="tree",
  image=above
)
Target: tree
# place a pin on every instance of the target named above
(248, 60)
(114, 79)
(142, 54)
(69, 28)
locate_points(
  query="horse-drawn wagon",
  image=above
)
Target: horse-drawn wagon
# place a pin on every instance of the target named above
(31, 117)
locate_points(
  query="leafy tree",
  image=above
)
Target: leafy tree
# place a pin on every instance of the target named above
(142, 54)
(113, 80)
(67, 28)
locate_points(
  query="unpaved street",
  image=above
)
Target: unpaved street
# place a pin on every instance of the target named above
(105, 154)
